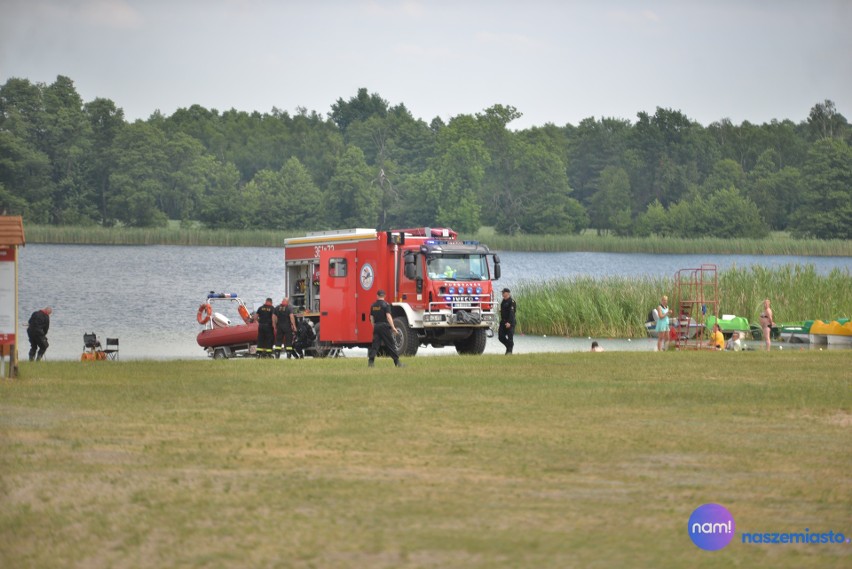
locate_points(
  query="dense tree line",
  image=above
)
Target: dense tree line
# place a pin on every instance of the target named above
(370, 164)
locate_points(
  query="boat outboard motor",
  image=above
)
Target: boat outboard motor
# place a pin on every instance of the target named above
(220, 320)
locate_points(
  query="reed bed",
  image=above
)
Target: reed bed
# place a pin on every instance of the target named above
(617, 307)
(778, 244)
(797, 293)
(775, 245)
(68, 235)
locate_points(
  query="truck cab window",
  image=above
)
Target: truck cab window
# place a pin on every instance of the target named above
(337, 267)
(477, 268)
(457, 267)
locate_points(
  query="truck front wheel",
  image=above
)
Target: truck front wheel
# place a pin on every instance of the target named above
(474, 344)
(406, 338)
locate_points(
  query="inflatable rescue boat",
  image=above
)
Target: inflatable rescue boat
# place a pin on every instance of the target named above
(220, 338)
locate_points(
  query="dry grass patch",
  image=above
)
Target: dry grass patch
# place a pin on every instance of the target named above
(554, 460)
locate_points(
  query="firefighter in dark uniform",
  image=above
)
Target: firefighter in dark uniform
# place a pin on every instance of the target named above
(384, 330)
(506, 334)
(285, 326)
(265, 329)
(37, 329)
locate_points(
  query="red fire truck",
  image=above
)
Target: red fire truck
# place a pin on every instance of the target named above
(439, 287)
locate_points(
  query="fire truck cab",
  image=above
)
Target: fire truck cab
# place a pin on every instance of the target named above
(439, 288)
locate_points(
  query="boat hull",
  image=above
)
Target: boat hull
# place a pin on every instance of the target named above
(793, 337)
(796, 333)
(833, 333)
(228, 336)
(730, 325)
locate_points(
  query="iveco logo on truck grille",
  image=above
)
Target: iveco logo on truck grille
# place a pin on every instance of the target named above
(465, 299)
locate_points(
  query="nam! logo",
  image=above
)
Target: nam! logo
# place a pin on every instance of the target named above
(711, 527)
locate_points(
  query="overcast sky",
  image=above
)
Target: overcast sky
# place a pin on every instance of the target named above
(555, 61)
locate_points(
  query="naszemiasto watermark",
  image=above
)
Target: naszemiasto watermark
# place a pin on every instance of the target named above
(806, 536)
(712, 527)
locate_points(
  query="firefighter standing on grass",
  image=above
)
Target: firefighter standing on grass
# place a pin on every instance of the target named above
(384, 330)
(285, 327)
(265, 330)
(506, 333)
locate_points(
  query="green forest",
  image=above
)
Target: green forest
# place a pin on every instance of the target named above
(370, 163)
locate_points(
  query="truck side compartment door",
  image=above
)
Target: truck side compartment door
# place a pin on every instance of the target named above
(338, 279)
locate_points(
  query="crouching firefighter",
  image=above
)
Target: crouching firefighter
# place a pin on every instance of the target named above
(304, 338)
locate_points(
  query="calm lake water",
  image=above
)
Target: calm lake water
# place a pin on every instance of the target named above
(147, 296)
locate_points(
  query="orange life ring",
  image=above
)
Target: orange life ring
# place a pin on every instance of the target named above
(204, 312)
(244, 313)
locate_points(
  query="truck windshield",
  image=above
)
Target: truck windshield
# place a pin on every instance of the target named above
(458, 267)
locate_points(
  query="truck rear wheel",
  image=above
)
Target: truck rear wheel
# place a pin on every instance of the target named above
(474, 344)
(406, 341)
(321, 349)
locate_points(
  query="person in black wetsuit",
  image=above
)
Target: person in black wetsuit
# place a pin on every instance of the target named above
(304, 338)
(37, 329)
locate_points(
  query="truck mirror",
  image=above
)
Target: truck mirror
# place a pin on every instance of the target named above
(497, 270)
(410, 265)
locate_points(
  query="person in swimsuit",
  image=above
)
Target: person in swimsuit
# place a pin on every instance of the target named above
(662, 328)
(767, 321)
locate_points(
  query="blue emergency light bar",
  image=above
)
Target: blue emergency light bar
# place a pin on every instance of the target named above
(222, 295)
(450, 242)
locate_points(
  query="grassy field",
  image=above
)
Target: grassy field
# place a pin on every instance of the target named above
(778, 244)
(549, 460)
